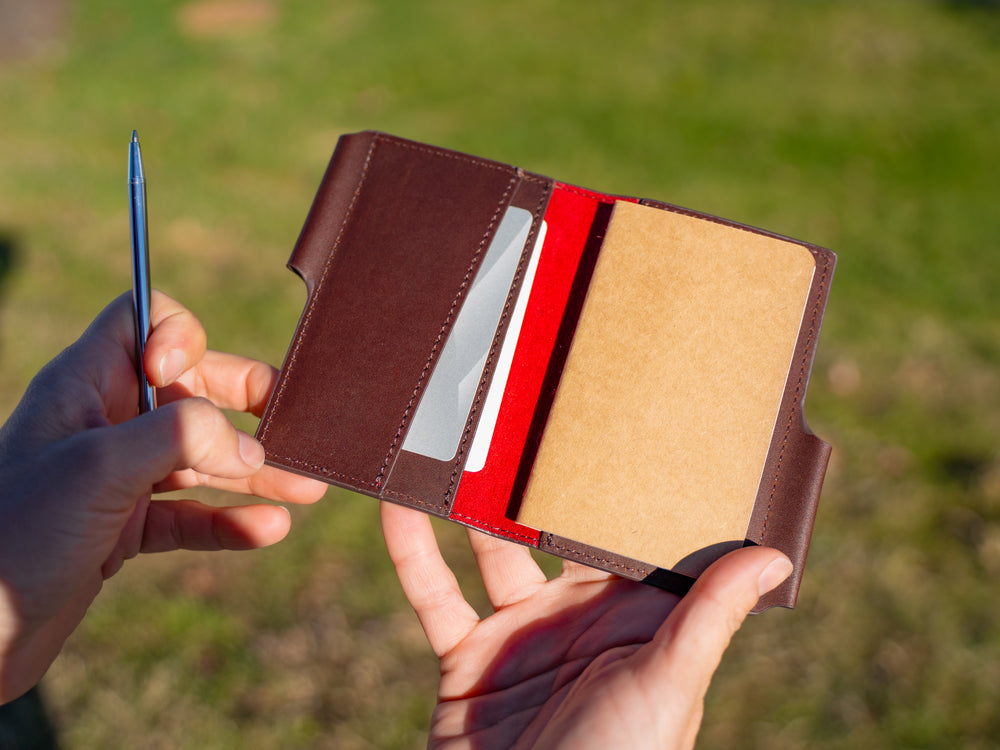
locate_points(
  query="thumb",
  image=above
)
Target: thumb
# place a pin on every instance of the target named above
(127, 459)
(689, 645)
(711, 613)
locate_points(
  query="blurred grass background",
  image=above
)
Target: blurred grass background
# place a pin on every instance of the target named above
(870, 128)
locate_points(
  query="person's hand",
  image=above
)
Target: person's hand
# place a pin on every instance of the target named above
(77, 469)
(586, 660)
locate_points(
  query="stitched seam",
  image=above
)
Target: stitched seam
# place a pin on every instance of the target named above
(592, 194)
(406, 497)
(444, 153)
(487, 367)
(529, 177)
(799, 385)
(441, 333)
(480, 524)
(316, 468)
(577, 555)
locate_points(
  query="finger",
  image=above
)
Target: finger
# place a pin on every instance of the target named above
(176, 341)
(173, 329)
(228, 380)
(689, 645)
(509, 572)
(269, 483)
(427, 581)
(203, 439)
(187, 524)
(166, 525)
(175, 359)
(574, 572)
(105, 354)
(131, 457)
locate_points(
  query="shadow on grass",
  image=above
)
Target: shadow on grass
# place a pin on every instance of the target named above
(8, 254)
(8, 260)
(25, 725)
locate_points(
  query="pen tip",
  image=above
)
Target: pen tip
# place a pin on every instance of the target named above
(135, 136)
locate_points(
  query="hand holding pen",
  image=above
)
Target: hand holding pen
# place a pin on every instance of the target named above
(79, 468)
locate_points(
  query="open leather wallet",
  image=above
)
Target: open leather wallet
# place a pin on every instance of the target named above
(616, 381)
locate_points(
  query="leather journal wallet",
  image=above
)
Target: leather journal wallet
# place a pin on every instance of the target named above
(616, 381)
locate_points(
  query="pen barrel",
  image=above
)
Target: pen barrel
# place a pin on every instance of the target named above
(141, 291)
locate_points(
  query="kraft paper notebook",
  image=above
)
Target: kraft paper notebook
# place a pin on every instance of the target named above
(616, 381)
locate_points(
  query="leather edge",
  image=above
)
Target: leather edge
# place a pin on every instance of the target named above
(329, 207)
(789, 491)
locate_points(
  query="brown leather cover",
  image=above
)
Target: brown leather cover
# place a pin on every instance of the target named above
(391, 244)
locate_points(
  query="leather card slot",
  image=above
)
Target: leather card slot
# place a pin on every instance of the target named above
(429, 467)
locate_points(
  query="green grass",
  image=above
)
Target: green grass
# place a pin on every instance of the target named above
(870, 128)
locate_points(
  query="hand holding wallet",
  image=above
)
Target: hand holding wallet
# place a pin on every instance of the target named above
(616, 381)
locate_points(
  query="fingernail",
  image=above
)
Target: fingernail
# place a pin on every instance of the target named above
(251, 451)
(773, 575)
(172, 366)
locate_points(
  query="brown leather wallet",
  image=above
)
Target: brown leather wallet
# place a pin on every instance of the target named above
(616, 381)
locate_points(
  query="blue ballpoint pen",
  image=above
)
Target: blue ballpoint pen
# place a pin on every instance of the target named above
(140, 269)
